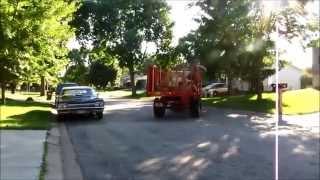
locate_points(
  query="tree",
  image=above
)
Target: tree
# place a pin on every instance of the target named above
(218, 40)
(51, 38)
(15, 34)
(233, 39)
(33, 36)
(121, 27)
(77, 68)
(76, 73)
(100, 74)
(260, 54)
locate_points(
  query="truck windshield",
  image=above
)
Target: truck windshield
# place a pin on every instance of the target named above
(77, 92)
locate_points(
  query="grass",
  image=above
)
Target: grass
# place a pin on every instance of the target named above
(21, 95)
(18, 114)
(294, 102)
(301, 101)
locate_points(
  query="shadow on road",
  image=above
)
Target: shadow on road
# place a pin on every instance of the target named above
(129, 143)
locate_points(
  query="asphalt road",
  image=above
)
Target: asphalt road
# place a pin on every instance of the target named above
(130, 144)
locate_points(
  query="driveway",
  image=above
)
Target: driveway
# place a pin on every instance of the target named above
(223, 144)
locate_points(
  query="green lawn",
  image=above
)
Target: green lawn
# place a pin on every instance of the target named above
(294, 102)
(25, 115)
(22, 95)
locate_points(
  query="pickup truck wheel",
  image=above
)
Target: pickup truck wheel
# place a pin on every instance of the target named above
(159, 112)
(60, 117)
(99, 115)
(195, 108)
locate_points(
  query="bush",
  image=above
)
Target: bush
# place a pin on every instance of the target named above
(29, 99)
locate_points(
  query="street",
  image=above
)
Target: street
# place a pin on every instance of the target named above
(129, 143)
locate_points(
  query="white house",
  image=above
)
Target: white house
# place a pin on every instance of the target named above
(241, 85)
(125, 81)
(288, 74)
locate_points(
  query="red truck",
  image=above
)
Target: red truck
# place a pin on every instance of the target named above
(177, 89)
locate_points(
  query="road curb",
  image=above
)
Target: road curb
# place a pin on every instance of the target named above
(54, 160)
(71, 168)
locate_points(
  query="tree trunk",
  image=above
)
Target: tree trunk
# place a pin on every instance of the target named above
(43, 86)
(259, 86)
(28, 87)
(229, 82)
(3, 93)
(132, 81)
(13, 88)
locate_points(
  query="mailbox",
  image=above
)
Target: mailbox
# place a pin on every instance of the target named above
(280, 85)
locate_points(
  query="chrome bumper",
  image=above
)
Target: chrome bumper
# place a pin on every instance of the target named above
(79, 108)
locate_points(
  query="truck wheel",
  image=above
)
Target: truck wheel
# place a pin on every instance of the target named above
(215, 93)
(60, 117)
(99, 115)
(195, 108)
(158, 111)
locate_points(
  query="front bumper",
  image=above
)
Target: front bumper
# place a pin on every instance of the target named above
(80, 110)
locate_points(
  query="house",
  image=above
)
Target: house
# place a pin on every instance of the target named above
(289, 74)
(140, 81)
(316, 67)
(240, 85)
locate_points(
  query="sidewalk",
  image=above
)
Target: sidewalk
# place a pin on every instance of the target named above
(21, 154)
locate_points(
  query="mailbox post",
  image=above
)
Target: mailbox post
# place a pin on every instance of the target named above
(282, 87)
(280, 104)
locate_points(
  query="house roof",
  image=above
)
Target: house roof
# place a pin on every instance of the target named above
(293, 66)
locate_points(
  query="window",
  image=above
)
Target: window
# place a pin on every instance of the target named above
(219, 85)
(77, 92)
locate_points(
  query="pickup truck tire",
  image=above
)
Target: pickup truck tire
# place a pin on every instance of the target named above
(99, 115)
(60, 117)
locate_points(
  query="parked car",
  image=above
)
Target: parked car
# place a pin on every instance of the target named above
(62, 85)
(79, 100)
(214, 89)
(59, 88)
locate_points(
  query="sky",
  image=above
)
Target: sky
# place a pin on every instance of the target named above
(183, 17)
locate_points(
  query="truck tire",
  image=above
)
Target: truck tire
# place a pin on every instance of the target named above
(99, 115)
(158, 112)
(60, 117)
(195, 108)
(215, 93)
